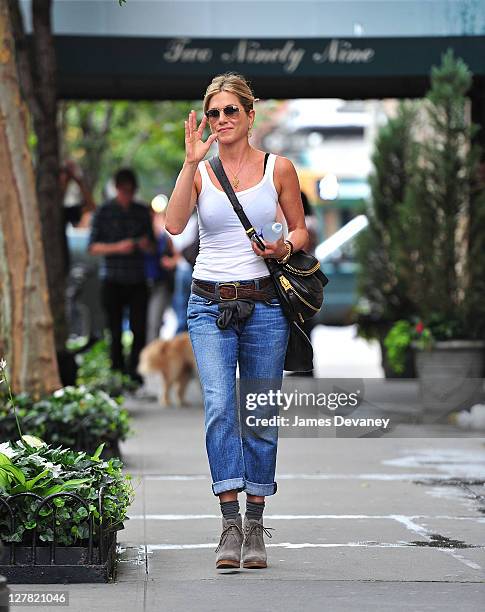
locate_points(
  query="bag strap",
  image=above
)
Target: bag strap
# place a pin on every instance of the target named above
(266, 156)
(251, 233)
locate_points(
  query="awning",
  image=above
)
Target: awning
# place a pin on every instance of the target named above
(180, 68)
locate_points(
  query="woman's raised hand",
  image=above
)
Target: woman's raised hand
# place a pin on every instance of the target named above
(195, 148)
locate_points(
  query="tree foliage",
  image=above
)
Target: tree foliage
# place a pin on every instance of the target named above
(385, 268)
(424, 255)
(148, 136)
(437, 214)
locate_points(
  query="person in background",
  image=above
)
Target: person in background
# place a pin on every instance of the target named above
(159, 272)
(187, 244)
(77, 214)
(122, 234)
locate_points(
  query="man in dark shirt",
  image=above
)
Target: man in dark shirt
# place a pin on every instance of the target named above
(122, 232)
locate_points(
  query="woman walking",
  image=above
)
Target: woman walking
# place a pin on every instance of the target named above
(234, 317)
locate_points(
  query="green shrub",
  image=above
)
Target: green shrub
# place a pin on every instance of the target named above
(75, 417)
(95, 372)
(36, 467)
(403, 333)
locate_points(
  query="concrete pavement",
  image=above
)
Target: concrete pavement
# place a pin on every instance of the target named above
(359, 524)
(394, 523)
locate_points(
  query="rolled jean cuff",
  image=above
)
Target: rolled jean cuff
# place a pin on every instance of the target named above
(254, 488)
(228, 485)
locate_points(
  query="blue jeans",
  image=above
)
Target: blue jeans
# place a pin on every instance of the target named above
(243, 462)
(183, 280)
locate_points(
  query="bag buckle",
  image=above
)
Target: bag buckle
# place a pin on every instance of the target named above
(234, 285)
(285, 283)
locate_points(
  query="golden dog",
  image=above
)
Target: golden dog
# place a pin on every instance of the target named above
(175, 362)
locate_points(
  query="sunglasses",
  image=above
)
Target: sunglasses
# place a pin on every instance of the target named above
(229, 111)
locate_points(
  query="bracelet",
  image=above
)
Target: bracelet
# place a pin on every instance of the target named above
(287, 255)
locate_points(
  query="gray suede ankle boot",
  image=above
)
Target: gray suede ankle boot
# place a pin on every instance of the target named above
(253, 549)
(229, 548)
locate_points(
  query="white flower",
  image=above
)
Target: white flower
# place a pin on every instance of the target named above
(58, 393)
(3, 364)
(7, 450)
(33, 441)
(54, 468)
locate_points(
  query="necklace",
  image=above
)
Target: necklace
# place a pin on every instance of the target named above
(235, 181)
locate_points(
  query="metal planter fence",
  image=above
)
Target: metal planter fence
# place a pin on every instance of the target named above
(49, 563)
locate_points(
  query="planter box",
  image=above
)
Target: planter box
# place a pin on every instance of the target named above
(72, 563)
(39, 562)
(450, 376)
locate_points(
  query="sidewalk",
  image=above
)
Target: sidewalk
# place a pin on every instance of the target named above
(392, 523)
(346, 515)
(359, 525)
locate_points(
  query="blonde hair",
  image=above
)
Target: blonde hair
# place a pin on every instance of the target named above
(233, 83)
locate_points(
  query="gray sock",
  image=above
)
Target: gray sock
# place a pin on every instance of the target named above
(254, 510)
(230, 509)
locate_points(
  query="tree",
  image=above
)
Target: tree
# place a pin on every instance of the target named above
(385, 268)
(102, 136)
(444, 210)
(37, 71)
(26, 325)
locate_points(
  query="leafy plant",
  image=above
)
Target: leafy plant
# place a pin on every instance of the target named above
(404, 333)
(75, 417)
(4, 380)
(443, 208)
(95, 372)
(385, 268)
(43, 470)
(423, 257)
(146, 135)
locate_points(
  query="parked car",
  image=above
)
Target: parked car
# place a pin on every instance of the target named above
(337, 259)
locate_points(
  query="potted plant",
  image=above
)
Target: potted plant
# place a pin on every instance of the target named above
(75, 417)
(443, 216)
(59, 512)
(450, 370)
(441, 240)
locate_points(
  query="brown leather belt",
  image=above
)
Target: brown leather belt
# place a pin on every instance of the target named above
(258, 289)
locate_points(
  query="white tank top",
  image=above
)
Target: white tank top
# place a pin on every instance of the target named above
(225, 252)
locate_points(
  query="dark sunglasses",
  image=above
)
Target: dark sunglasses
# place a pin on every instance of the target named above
(229, 111)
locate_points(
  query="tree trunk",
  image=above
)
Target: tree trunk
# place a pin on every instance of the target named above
(26, 326)
(37, 72)
(48, 191)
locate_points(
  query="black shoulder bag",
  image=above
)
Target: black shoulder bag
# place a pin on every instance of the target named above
(298, 282)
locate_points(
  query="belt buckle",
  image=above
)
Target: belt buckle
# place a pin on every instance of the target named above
(235, 285)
